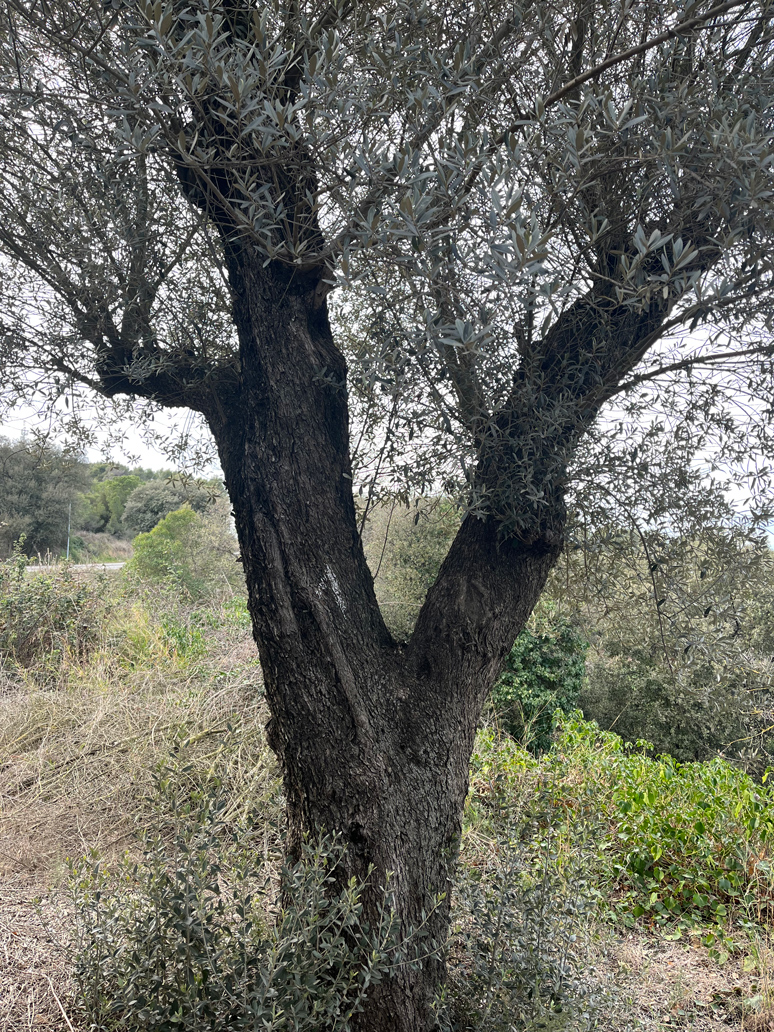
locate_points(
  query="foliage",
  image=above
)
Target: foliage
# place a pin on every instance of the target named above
(152, 501)
(678, 626)
(405, 546)
(187, 552)
(103, 506)
(39, 484)
(685, 847)
(190, 937)
(544, 674)
(45, 617)
(517, 950)
(692, 715)
(618, 175)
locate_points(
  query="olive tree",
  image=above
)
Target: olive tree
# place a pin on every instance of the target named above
(503, 216)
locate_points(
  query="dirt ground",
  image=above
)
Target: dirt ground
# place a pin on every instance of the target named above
(35, 987)
(655, 986)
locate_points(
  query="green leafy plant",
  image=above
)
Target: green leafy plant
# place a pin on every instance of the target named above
(522, 899)
(688, 846)
(543, 675)
(192, 937)
(189, 553)
(155, 499)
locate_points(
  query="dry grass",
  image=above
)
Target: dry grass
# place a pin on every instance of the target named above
(76, 761)
(77, 754)
(35, 987)
(101, 547)
(655, 985)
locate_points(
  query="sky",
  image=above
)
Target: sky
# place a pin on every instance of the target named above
(124, 440)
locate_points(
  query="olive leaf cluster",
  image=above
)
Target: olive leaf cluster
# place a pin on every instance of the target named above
(528, 213)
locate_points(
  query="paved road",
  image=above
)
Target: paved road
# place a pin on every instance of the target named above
(78, 567)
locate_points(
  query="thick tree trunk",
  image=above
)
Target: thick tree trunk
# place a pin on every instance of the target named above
(374, 739)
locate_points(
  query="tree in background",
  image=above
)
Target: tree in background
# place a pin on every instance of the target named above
(544, 674)
(102, 507)
(39, 485)
(679, 630)
(152, 501)
(531, 210)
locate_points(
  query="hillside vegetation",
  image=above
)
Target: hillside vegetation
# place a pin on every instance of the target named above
(52, 499)
(601, 885)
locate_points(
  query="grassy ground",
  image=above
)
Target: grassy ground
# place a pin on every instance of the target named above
(86, 718)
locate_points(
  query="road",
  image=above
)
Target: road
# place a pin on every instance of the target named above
(77, 567)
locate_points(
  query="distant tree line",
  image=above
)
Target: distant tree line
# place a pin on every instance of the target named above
(44, 489)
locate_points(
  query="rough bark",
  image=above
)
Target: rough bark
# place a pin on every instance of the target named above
(374, 739)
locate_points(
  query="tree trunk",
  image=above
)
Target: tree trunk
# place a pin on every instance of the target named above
(374, 739)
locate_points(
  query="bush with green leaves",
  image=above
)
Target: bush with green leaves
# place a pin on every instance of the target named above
(687, 847)
(189, 553)
(524, 898)
(544, 674)
(45, 616)
(192, 937)
(517, 957)
(691, 713)
(682, 630)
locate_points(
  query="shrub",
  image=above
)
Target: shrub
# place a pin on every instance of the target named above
(686, 844)
(44, 616)
(543, 675)
(517, 956)
(692, 714)
(189, 553)
(523, 897)
(190, 938)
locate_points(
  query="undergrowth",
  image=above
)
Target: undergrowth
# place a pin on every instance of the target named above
(684, 849)
(101, 681)
(191, 935)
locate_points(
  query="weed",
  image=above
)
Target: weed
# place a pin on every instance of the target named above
(45, 617)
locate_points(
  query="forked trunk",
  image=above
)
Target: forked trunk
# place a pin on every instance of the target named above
(374, 739)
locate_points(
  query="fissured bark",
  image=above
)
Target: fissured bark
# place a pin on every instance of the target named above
(374, 738)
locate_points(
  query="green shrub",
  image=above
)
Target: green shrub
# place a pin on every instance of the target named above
(685, 848)
(692, 714)
(543, 675)
(687, 844)
(190, 937)
(45, 616)
(517, 957)
(189, 553)
(524, 896)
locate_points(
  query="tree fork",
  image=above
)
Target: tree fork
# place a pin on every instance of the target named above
(374, 739)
